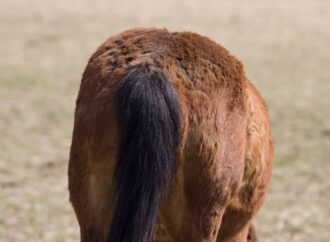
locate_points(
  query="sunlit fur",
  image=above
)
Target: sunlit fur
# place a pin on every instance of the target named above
(171, 142)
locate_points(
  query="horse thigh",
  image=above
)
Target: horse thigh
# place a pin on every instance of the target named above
(235, 226)
(187, 218)
(91, 194)
(202, 188)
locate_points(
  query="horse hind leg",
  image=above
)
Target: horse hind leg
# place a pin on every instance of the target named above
(247, 233)
(236, 225)
(252, 235)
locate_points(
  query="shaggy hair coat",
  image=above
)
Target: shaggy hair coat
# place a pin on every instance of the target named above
(171, 142)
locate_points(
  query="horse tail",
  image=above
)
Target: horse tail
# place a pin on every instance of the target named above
(149, 121)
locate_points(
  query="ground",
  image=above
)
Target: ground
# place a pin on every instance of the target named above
(45, 45)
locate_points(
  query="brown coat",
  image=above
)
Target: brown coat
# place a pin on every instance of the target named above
(223, 163)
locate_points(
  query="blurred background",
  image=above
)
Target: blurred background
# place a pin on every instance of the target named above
(45, 45)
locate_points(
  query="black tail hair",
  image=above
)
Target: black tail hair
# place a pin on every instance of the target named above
(149, 115)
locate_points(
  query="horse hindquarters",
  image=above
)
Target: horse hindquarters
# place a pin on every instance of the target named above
(209, 172)
(237, 221)
(122, 156)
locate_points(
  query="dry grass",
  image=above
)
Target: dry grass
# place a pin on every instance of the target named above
(45, 44)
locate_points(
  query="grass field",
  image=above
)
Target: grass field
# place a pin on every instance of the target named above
(44, 47)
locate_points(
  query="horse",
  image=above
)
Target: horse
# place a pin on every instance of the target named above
(171, 142)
